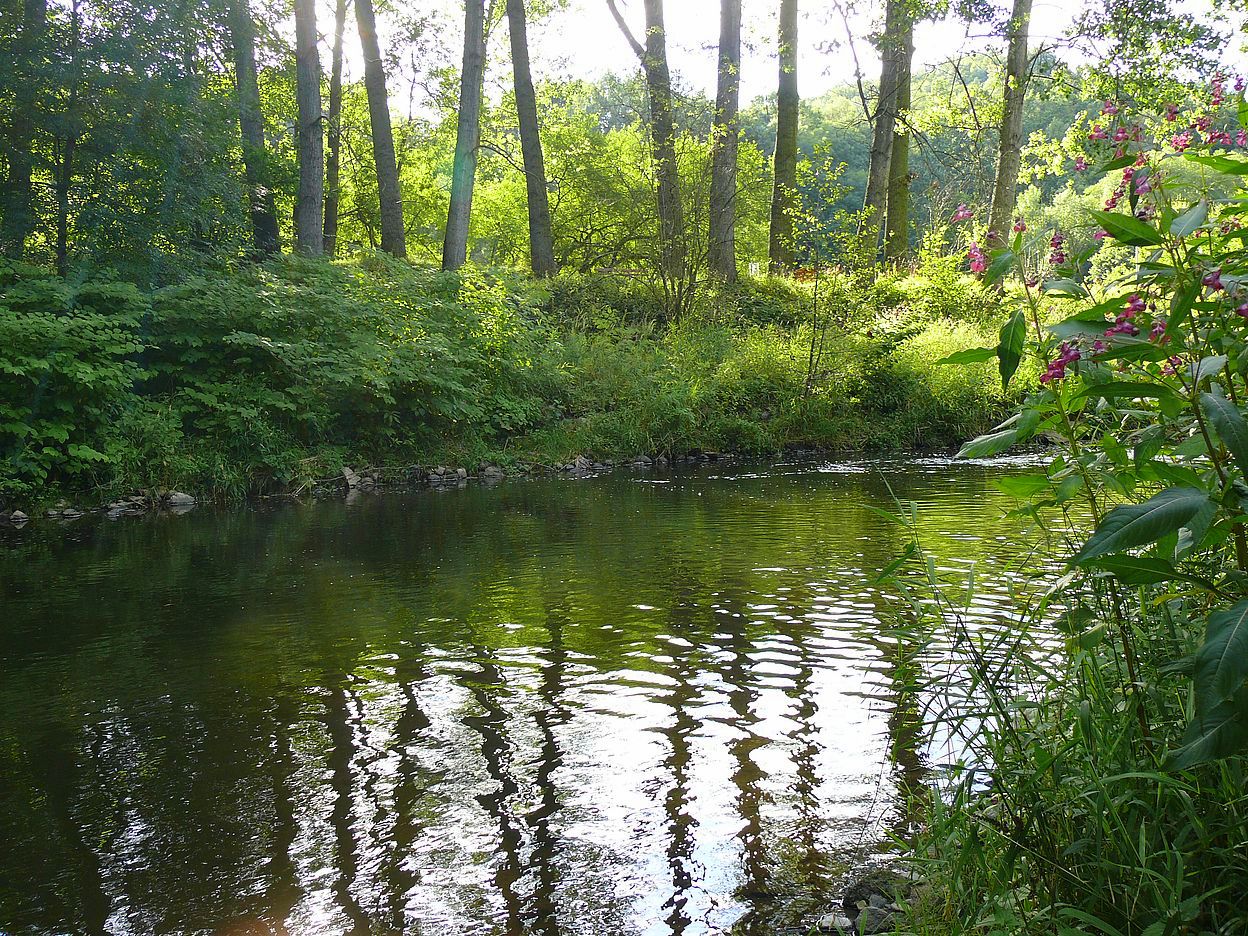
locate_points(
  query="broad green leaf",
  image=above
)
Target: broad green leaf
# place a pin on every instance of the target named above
(1064, 288)
(1128, 229)
(1181, 304)
(1142, 524)
(969, 356)
(1001, 264)
(1222, 661)
(1230, 424)
(1135, 570)
(988, 445)
(1207, 367)
(1226, 164)
(1125, 389)
(1013, 338)
(1189, 221)
(1218, 733)
(1023, 485)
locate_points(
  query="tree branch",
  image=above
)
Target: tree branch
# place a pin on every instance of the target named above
(638, 48)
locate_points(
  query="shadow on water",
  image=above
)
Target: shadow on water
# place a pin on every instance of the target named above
(670, 706)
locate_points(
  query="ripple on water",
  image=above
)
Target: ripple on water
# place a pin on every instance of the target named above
(605, 707)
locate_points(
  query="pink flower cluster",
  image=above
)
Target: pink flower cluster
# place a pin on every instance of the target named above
(1123, 324)
(1067, 354)
(962, 213)
(1213, 280)
(1058, 254)
(979, 262)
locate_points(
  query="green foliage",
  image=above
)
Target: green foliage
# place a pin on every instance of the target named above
(1117, 769)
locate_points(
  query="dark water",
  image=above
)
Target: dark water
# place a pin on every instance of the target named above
(623, 705)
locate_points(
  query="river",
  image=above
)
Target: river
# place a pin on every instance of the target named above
(641, 703)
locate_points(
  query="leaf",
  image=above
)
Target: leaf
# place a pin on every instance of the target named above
(1001, 264)
(1010, 349)
(1181, 305)
(1023, 486)
(1141, 524)
(1225, 164)
(1135, 570)
(1220, 732)
(968, 356)
(897, 563)
(1064, 287)
(1207, 367)
(1222, 660)
(988, 445)
(1120, 389)
(1230, 424)
(1127, 229)
(1189, 221)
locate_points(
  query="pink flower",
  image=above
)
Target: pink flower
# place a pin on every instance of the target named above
(962, 213)
(1181, 141)
(1067, 354)
(1242, 137)
(1172, 112)
(1098, 134)
(1081, 164)
(979, 263)
(1100, 236)
(1213, 279)
(1020, 226)
(1110, 109)
(1121, 135)
(1242, 311)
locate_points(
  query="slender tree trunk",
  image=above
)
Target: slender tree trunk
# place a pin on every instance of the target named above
(784, 196)
(653, 56)
(333, 192)
(393, 237)
(1004, 194)
(309, 206)
(260, 201)
(541, 237)
(884, 125)
(18, 218)
(65, 168)
(725, 134)
(468, 138)
(897, 228)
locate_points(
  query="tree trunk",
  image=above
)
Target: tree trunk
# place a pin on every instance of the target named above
(468, 138)
(309, 206)
(333, 163)
(64, 179)
(1004, 194)
(541, 237)
(260, 201)
(897, 228)
(725, 134)
(653, 56)
(884, 125)
(18, 220)
(784, 196)
(393, 237)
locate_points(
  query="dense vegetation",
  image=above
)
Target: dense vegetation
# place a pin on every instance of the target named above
(216, 278)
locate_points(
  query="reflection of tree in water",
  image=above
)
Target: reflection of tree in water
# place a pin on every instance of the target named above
(486, 685)
(409, 672)
(341, 725)
(551, 713)
(283, 890)
(684, 589)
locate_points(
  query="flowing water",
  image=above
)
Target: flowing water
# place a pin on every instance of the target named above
(635, 704)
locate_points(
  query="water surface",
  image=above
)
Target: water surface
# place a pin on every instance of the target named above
(636, 704)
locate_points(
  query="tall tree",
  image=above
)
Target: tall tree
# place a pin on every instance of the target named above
(897, 217)
(784, 195)
(261, 206)
(468, 138)
(725, 134)
(333, 172)
(17, 211)
(885, 122)
(393, 237)
(1004, 192)
(309, 204)
(541, 237)
(653, 57)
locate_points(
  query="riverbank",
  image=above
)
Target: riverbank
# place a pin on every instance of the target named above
(251, 379)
